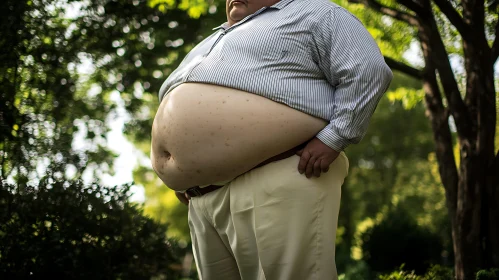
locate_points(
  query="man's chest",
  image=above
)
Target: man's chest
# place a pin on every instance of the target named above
(263, 40)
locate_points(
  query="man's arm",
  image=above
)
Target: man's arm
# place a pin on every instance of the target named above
(353, 64)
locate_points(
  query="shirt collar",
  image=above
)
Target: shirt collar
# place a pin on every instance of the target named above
(224, 26)
(279, 5)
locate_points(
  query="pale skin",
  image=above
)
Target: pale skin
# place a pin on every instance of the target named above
(316, 156)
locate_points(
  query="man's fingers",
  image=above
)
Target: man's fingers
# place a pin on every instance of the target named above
(299, 152)
(325, 165)
(310, 167)
(304, 158)
(317, 168)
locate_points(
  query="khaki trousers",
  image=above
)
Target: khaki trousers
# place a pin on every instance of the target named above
(269, 223)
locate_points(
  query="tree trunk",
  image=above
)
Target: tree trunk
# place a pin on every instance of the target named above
(493, 215)
(471, 193)
(472, 201)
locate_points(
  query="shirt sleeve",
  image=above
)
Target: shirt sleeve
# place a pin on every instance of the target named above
(354, 66)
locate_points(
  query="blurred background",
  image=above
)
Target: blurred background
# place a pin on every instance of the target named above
(78, 86)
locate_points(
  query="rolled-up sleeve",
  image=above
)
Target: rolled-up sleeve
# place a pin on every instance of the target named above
(354, 66)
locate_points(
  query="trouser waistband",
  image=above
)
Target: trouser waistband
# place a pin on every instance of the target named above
(199, 191)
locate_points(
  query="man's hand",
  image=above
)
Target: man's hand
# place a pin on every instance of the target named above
(315, 158)
(183, 197)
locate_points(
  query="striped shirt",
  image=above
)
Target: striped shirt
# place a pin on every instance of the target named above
(312, 55)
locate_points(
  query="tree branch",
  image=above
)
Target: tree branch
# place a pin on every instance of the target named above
(454, 17)
(404, 68)
(495, 45)
(394, 13)
(434, 50)
(413, 6)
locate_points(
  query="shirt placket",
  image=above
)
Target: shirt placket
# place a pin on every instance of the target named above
(221, 36)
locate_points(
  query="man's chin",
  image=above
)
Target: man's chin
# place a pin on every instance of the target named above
(237, 15)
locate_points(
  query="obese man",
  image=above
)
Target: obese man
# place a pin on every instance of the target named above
(251, 130)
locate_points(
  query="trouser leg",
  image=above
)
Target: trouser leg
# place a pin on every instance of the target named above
(284, 225)
(213, 256)
(273, 222)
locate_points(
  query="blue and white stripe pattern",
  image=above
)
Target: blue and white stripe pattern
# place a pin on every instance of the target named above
(311, 55)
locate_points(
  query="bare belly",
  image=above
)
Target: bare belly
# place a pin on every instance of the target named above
(204, 134)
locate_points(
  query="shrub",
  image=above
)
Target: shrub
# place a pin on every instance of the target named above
(438, 272)
(435, 272)
(67, 230)
(491, 274)
(397, 240)
(355, 271)
(400, 275)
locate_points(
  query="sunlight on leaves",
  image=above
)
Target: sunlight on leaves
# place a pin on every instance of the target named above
(362, 227)
(408, 97)
(194, 8)
(162, 5)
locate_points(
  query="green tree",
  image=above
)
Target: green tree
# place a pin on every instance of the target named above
(131, 44)
(42, 105)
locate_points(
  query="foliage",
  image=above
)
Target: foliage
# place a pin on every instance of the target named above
(72, 231)
(46, 100)
(42, 106)
(490, 274)
(398, 239)
(163, 205)
(392, 37)
(194, 8)
(400, 275)
(438, 272)
(355, 271)
(435, 272)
